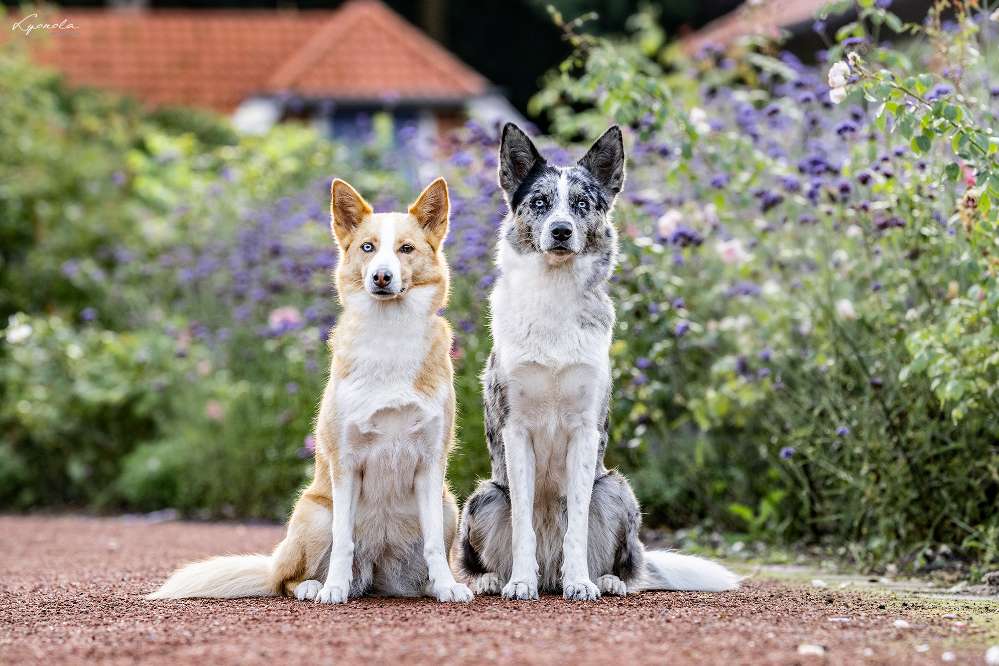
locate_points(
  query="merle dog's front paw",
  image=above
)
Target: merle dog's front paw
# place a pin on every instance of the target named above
(487, 583)
(307, 590)
(611, 584)
(580, 590)
(520, 588)
(333, 594)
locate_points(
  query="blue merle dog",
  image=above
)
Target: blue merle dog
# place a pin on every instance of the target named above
(552, 517)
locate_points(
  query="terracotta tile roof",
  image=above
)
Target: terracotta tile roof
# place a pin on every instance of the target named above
(369, 52)
(218, 58)
(764, 18)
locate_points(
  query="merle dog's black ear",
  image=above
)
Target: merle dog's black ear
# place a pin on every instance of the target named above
(605, 160)
(517, 157)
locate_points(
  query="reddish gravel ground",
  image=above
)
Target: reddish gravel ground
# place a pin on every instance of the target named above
(71, 591)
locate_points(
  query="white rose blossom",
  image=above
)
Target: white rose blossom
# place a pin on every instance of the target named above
(699, 119)
(845, 310)
(839, 77)
(839, 74)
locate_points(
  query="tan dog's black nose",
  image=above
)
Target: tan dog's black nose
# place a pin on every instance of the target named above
(383, 278)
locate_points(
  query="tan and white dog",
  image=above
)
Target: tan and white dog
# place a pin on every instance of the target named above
(378, 517)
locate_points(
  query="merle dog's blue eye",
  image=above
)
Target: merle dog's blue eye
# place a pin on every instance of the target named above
(539, 203)
(367, 247)
(583, 205)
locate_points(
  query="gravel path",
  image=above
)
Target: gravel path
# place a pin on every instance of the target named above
(70, 592)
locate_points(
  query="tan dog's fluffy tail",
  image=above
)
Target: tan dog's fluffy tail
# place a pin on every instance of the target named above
(228, 577)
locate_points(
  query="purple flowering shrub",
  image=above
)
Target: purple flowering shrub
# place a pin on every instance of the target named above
(788, 264)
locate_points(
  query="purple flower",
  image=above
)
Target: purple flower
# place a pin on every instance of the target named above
(308, 447)
(787, 452)
(743, 288)
(679, 303)
(70, 268)
(719, 181)
(790, 183)
(642, 363)
(681, 328)
(940, 90)
(88, 314)
(769, 199)
(684, 236)
(842, 431)
(845, 129)
(885, 223)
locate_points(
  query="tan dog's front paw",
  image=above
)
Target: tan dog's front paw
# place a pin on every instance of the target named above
(453, 592)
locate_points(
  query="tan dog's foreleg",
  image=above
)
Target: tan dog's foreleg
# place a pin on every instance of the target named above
(429, 487)
(346, 490)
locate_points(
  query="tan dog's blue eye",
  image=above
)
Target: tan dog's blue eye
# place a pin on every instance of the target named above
(367, 247)
(406, 249)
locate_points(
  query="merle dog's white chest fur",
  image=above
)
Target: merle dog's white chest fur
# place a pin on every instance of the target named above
(552, 403)
(537, 308)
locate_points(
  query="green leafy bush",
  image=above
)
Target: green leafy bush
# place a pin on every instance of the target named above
(75, 402)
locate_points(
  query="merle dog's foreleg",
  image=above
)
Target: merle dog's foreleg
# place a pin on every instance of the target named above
(523, 583)
(581, 460)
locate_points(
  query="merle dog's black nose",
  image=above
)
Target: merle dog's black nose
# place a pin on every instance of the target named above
(383, 278)
(561, 231)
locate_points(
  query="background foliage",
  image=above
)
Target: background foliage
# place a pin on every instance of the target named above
(807, 297)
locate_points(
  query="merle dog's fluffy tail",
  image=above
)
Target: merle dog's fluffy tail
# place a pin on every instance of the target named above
(672, 571)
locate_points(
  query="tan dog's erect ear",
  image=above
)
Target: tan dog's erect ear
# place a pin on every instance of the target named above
(431, 210)
(348, 209)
